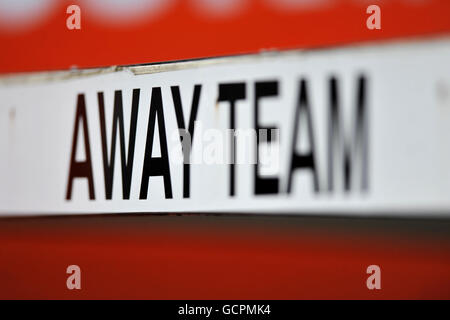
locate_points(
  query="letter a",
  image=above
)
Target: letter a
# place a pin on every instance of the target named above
(80, 169)
(374, 20)
(74, 20)
(374, 281)
(74, 280)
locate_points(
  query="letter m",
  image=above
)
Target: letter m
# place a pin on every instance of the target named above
(347, 151)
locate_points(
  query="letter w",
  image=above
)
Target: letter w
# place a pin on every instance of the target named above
(127, 161)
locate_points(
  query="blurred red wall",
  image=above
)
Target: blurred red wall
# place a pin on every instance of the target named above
(214, 257)
(220, 257)
(163, 30)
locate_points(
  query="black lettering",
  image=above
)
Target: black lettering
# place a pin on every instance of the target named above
(304, 160)
(81, 169)
(232, 92)
(127, 163)
(156, 166)
(353, 152)
(263, 89)
(182, 127)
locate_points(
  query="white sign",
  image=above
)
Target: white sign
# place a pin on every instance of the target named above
(358, 130)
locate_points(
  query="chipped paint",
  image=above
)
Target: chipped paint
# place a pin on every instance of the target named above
(141, 69)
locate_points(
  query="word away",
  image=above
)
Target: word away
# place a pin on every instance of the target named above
(345, 151)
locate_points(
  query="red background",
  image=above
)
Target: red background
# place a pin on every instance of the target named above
(181, 32)
(214, 257)
(210, 257)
